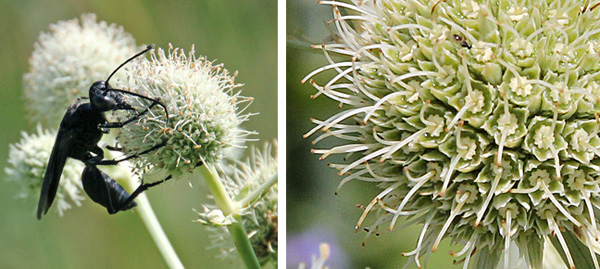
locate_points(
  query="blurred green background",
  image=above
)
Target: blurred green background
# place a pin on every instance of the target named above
(314, 213)
(240, 34)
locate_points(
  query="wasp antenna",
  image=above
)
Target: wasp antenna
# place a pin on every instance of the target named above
(149, 47)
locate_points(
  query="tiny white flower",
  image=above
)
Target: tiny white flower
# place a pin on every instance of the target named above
(521, 86)
(470, 9)
(521, 47)
(517, 13)
(482, 51)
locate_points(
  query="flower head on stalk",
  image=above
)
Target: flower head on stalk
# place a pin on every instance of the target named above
(67, 60)
(203, 105)
(259, 216)
(27, 164)
(477, 119)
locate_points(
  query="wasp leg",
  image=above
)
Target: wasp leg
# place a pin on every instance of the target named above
(125, 204)
(115, 148)
(120, 124)
(135, 155)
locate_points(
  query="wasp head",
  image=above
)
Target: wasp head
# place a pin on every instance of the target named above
(103, 98)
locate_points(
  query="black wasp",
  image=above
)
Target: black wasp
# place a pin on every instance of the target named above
(80, 131)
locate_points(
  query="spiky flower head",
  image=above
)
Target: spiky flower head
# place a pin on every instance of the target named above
(203, 105)
(67, 60)
(478, 119)
(259, 216)
(27, 162)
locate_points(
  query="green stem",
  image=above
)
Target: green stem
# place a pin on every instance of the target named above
(242, 243)
(230, 207)
(258, 192)
(218, 191)
(144, 210)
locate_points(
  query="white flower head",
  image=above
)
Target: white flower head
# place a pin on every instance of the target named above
(67, 60)
(27, 162)
(502, 155)
(203, 105)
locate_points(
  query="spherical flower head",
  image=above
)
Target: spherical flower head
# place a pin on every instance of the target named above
(27, 162)
(479, 120)
(67, 60)
(202, 102)
(259, 217)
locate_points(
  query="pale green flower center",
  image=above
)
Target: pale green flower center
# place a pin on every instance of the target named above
(482, 52)
(470, 9)
(593, 47)
(521, 47)
(565, 53)
(594, 89)
(579, 139)
(517, 13)
(475, 99)
(521, 86)
(562, 96)
(436, 124)
(508, 123)
(558, 16)
(539, 175)
(544, 137)
(439, 33)
(577, 180)
(468, 148)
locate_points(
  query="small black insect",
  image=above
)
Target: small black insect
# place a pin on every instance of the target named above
(463, 41)
(80, 131)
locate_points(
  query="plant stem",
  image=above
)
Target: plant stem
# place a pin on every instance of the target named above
(230, 207)
(144, 210)
(218, 191)
(242, 243)
(258, 192)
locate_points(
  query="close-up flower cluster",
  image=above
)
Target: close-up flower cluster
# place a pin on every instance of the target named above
(203, 104)
(477, 119)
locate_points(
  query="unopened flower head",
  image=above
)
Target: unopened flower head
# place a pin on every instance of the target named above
(27, 162)
(203, 105)
(478, 119)
(67, 60)
(259, 216)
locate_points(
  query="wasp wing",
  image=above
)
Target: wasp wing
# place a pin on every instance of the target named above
(58, 157)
